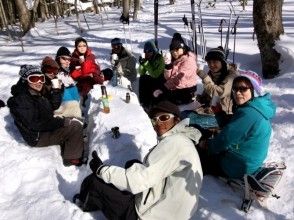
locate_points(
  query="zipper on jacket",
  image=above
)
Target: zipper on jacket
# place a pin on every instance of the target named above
(145, 200)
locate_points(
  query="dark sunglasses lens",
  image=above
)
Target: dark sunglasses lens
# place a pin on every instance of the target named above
(66, 58)
(241, 89)
(164, 117)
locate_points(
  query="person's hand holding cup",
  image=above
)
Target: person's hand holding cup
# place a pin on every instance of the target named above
(82, 59)
(56, 83)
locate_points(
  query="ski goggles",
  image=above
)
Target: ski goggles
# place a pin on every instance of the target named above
(36, 78)
(162, 118)
(241, 89)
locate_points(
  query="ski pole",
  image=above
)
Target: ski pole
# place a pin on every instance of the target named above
(185, 20)
(220, 29)
(193, 27)
(234, 32)
(156, 22)
(84, 15)
(226, 49)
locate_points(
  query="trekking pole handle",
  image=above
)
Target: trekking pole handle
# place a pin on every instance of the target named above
(185, 20)
(234, 28)
(220, 27)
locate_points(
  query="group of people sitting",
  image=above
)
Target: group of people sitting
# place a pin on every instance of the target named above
(166, 184)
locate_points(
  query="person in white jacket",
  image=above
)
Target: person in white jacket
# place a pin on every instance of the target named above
(166, 185)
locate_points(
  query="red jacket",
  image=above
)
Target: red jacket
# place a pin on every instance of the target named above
(88, 74)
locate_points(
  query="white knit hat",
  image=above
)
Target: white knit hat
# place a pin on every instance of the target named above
(255, 79)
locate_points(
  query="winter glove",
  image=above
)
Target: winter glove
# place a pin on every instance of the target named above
(142, 60)
(95, 163)
(201, 74)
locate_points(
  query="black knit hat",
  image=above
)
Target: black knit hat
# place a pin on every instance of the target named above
(176, 44)
(165, 106)
(116, 41)
(63, 51)
(80, 39)
(216, 54)
(26, 70)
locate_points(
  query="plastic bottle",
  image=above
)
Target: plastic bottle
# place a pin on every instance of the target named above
(114, 79)
(105, 102)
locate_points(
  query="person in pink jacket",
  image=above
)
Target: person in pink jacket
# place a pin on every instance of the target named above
(180, 74)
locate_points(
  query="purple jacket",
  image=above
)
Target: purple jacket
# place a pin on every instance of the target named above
(183, 72)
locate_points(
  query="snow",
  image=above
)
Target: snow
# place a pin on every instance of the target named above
(35, 184)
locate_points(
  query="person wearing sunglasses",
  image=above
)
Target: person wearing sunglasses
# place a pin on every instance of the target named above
(70, 106)
(242, 145)
(165, 185)
(50, 69)
(33, 115)
(85, 69)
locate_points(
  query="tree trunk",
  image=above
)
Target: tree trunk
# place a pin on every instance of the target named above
(126, 8)
(268, 26)
(24, 15)
(136, 9)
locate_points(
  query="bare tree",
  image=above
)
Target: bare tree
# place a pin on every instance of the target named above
(126, 8)
(137, 6)
(268, 26)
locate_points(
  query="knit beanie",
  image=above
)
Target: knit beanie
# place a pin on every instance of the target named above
(176, 44)
(149, 47)
(63, 51)
(255, 80)
(116, 41)
(80, 39)
(216, 54)
(165, 106)
(26, 70)
(49, 65)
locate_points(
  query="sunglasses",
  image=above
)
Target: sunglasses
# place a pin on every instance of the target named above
(36, 78)
(241, 89)
(162, 118)
(65, 58)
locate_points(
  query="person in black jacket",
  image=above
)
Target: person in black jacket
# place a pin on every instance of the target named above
(33, 115)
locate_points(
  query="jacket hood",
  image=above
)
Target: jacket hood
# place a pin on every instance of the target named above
(264, 105)
(183, 128)
(20, 87)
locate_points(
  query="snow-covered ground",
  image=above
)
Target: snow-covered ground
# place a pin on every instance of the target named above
(34, 183)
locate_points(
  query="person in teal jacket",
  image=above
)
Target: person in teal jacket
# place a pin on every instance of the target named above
(151, 73)
(242, 146)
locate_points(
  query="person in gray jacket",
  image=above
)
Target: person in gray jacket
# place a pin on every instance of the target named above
(165, 185)
(123, 60)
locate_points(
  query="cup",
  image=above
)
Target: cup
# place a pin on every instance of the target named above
(115, 132)
(82, 58)
(143, 55)
(200, 65)
(56, 84)
(114, 57)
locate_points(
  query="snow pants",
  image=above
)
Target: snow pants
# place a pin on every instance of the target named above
(115, 204)
(69, 137)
